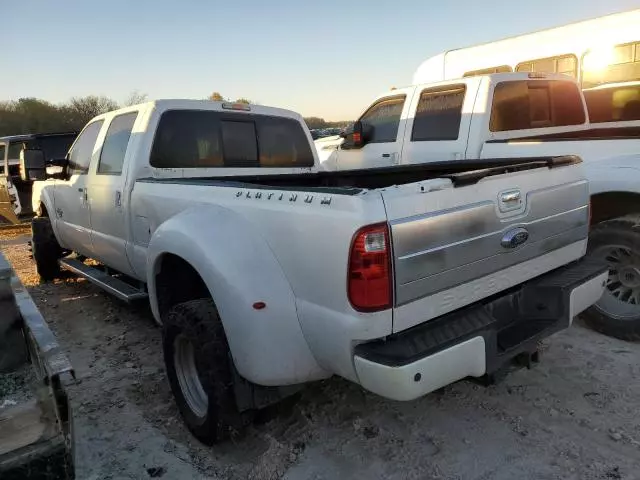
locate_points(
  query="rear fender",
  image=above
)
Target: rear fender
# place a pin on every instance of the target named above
(239, 269)
(614, 174)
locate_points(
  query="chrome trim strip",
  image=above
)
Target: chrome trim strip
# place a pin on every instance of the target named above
(431, 284)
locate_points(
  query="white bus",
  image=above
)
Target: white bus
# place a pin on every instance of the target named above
(603, 54)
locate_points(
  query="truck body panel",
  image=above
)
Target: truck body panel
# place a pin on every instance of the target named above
(274, 247)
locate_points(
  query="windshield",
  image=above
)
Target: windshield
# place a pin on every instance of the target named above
(613, 104)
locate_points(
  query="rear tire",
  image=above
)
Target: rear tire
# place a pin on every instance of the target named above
(200, 371)
(617, 243)
(45, 248)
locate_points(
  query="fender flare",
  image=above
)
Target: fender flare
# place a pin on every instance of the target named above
(614, 174)
(46, 198)
(239, 268)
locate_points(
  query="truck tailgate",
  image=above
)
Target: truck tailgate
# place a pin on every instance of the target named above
(445, 236)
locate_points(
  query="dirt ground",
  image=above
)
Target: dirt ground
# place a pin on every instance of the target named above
(574, 416)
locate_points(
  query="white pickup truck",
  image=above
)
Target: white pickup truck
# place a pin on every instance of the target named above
(519, 115)
(266, 273)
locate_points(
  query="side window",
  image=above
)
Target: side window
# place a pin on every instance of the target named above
(384, 118)
(3, 149)
(82, 150)
(620, 64)
(523, 105)
(488, 71)
(14, 150)
(566, 64)
(115, 144)
(438, 114)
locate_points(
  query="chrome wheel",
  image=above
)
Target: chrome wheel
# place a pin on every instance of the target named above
(187, 373)
(622, 296)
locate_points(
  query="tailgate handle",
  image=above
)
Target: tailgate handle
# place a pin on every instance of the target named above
(508, 197)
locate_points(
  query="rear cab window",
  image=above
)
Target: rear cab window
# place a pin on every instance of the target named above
(210, 139)
(613, 103)
(532, 104)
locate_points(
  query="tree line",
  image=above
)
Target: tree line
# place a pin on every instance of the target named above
(33, 115)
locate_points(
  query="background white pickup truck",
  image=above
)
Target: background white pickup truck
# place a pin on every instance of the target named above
(518, 115)
(266, 273)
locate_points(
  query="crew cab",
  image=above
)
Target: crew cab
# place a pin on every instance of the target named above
(522, 115)
(266, 272)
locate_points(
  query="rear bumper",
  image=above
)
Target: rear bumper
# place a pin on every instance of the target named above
(480, 339)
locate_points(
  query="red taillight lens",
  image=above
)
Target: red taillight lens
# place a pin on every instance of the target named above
(369, 275)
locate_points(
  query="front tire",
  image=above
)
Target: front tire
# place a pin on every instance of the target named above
(45, 248)
(200, 371)
(617, 243)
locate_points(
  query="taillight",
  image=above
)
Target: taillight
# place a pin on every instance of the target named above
(369, 276)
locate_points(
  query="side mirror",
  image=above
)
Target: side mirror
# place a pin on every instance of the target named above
(32, 165)
(358, 135)
(58, 168)
(346, 131)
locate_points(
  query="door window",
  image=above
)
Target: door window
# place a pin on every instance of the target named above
(82, 150)
(438, 114)
(383, 119)
(115, 144)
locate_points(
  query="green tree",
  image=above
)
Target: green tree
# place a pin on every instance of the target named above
(82, 109)
(243, 100)
(216, 97)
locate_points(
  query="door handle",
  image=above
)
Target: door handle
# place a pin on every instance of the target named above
(118, 198)
(393, 156)
(85, 197)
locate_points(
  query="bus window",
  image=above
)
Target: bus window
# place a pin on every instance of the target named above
(622, 64)
(488, 71)
(565, 64)
(615, 103)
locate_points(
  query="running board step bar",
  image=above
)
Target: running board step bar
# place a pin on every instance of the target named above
(112, 285)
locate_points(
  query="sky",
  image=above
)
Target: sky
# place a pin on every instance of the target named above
(322, 58)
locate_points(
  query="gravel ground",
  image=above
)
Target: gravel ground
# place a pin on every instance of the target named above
(574, 416)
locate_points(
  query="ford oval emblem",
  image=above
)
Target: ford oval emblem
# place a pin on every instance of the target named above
(514, 238)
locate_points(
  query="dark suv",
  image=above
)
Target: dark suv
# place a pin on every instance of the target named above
(54, 146)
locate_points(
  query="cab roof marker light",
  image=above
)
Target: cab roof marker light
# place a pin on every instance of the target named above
(236, 106)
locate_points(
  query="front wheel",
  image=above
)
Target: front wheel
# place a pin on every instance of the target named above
(46, 249)
(617, 243)
(200, 370)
